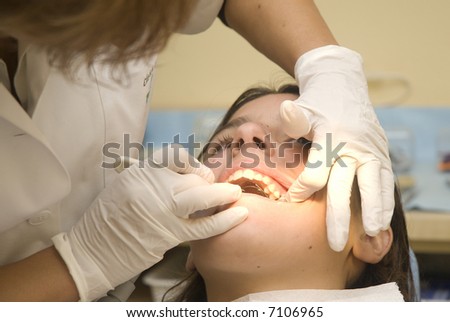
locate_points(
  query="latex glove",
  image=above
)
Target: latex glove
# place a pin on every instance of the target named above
(134, 221)
(334, 111)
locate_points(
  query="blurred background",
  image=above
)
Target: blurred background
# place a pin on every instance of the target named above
(405, 45)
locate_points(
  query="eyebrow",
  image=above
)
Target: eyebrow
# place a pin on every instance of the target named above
(232, 124)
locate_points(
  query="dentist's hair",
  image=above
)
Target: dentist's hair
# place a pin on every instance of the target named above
(113, 30)
(395, 265)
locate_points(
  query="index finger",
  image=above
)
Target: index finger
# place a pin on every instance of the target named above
(177, 158)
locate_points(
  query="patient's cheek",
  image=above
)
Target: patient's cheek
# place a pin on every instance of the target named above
(275, 235)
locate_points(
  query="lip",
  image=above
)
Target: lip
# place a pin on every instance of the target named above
(283, 182)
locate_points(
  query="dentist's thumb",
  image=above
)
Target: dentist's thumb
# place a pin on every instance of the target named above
(293, 119)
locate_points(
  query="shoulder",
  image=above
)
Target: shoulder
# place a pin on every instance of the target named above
(203, 16)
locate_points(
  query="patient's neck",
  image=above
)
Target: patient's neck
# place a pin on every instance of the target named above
(229, 287)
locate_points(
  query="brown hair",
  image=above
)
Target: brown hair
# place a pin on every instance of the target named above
(395, 265)
(115, 30)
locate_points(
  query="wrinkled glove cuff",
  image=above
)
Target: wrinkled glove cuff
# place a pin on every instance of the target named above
(89, 280)
(329, 58)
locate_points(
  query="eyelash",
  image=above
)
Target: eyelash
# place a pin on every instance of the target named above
(224, 141)
(218, 145)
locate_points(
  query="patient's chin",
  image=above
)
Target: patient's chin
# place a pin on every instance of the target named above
(269, 235)
(257, 206)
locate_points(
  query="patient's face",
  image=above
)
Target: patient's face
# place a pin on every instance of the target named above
(254, 146)
(278, 240)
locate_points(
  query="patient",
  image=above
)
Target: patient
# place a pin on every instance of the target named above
(282, 246)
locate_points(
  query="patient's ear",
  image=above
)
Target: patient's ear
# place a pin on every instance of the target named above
(372, 249)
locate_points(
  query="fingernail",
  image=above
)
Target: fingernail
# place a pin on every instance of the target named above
(373, 232)
(337, 247)
(240, 211)
(237, 191)
(288, 107)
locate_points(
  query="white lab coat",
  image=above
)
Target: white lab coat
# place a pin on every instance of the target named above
(51, 143)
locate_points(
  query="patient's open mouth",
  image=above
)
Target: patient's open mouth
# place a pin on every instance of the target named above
(251, 187)
(254, 182)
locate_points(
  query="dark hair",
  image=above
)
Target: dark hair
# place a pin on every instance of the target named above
(395, 265)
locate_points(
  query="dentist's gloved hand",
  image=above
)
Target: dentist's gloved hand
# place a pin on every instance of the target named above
(334, 111)
(144, 213)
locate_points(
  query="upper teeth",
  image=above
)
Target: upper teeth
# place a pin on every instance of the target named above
(266, 183)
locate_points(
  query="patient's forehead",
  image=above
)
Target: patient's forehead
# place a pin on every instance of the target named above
(264, 105)
(265, 110)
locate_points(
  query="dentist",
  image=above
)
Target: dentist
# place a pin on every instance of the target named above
(76, 75)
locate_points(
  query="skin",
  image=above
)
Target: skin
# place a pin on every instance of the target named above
(281, 245)
(41, 277)
(295, 26)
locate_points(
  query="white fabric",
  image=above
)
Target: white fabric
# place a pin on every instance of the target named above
(50, 159)
(69, 121)
(137, 219)
(334, 111)
(388, 292)
(57, 147)
(23, 189)
(202, 17)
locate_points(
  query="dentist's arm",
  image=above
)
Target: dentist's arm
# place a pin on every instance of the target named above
(281, 30)
(334, 111)
(126, 230)
(41, 277)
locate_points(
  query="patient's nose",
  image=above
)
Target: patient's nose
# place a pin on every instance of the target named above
(250, 135)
